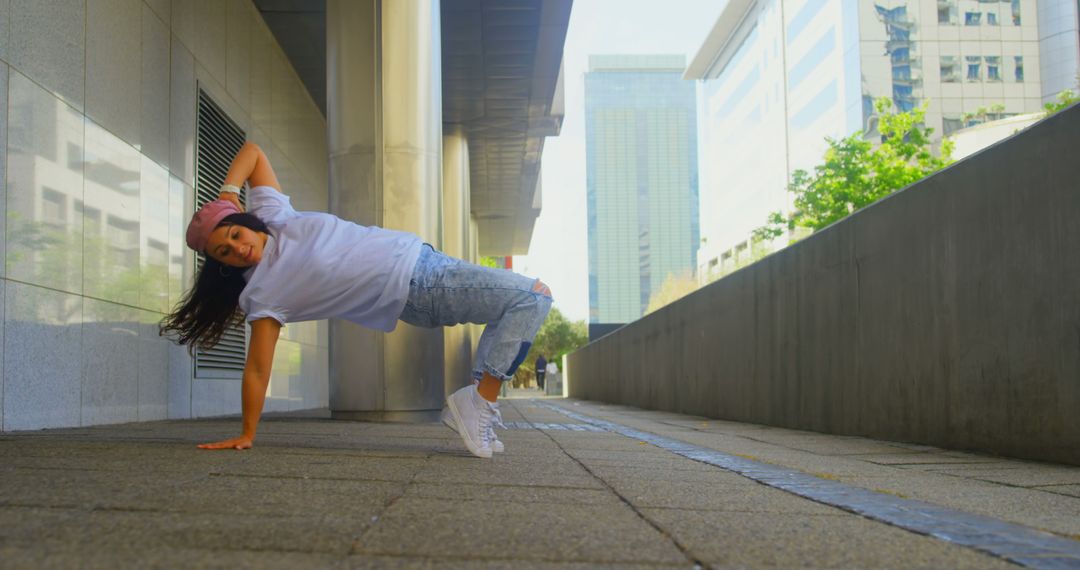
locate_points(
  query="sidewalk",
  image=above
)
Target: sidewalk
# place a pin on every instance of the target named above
(567, 493)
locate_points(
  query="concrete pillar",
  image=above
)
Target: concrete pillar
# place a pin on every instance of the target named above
(458, 340)
(473, 252)
(384, 130)
(474, 240)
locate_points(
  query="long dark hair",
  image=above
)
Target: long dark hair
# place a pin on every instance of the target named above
(210, 307)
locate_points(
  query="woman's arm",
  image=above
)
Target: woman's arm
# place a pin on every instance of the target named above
(251, 165)
(260, 359)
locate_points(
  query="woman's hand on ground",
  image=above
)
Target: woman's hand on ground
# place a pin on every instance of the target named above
(242, 442)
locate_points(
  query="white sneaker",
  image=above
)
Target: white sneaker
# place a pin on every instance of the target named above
(472, 416)
(448, 418)
(496, 420)
(496, 445)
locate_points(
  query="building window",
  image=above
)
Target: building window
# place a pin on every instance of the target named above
(74, 156)
(972, 18)
(951, 124)
(974, 65)
(991, 19)
(157, 253)
(91, 218)
(1019, 68)
(1016, 12)
(53, 206)
(993, 68)
(946, 12)
(950, 69)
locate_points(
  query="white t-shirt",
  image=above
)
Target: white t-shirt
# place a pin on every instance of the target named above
(318, 266)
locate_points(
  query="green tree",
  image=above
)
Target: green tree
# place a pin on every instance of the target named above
(1064, 99)
(856, 173)
(674, 287)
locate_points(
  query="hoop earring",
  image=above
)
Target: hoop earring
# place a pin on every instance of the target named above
(221, 271)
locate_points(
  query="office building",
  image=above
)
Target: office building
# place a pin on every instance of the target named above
(641, 163)
(779, 76)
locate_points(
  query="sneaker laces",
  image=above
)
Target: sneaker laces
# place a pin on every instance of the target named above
(496, 420)
(497, 416)
(486, 431)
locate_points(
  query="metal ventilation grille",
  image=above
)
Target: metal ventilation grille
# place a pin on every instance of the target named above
(218, 138)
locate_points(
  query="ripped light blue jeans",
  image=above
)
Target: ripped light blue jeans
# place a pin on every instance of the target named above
(445, 291)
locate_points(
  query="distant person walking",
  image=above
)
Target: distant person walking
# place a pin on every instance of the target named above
(552, 371)
(541, 370)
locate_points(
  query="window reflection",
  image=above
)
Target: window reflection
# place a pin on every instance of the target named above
(45, 147)
(111, 218)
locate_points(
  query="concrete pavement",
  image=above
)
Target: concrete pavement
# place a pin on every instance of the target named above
(316, 493)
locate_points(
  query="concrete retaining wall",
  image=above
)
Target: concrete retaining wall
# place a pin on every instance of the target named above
(947, 314)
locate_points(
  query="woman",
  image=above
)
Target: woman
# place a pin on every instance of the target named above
(274, 265)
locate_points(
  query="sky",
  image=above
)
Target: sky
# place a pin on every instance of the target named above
(558, 253)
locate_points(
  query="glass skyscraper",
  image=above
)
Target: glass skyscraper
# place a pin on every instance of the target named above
(641, 153)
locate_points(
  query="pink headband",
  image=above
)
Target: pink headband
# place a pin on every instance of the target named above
(205, 220)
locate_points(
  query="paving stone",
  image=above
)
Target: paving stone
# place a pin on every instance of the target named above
(748, 448)
(96, 453)
(715, 476)
(915, 458)
(272, 496)
(1029, 507)
(553, 533)
(81, 488)
(670, 463)
(128, 531)
(361, 453)
(571, 441)
(325, 467)
(963, 469)
(415, 563)
(644, 453)
(798, 540)
(173, 460)
(834, 445)
(526, 443)
(93, 558)
(559, 472)
(697, 495)
(512, 493)
(1071, 490)
(22, 523)
(1031, 476)
(827, 466)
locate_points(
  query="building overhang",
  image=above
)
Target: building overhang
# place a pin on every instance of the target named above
(722, 41)
(502, 87)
